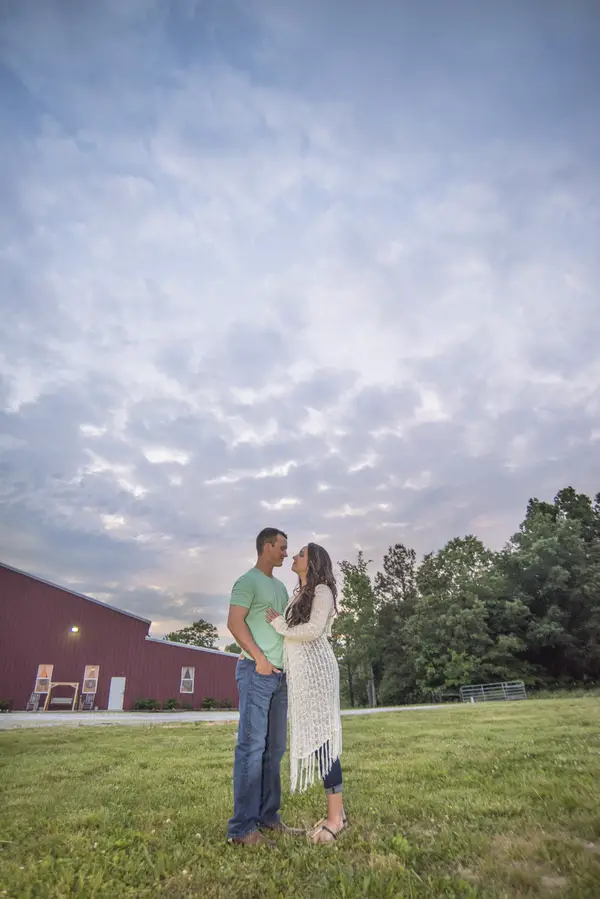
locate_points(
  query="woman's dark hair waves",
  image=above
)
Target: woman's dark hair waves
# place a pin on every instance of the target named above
(319, 571)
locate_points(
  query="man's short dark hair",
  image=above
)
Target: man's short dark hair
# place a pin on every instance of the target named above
(268, 535)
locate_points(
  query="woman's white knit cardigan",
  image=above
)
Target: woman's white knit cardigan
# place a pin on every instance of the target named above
(313, 681)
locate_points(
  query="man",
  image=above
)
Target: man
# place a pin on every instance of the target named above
(262, 688)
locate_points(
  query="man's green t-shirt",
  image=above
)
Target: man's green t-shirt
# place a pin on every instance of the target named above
(258, 592)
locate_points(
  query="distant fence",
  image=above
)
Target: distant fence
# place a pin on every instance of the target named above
(493, 692)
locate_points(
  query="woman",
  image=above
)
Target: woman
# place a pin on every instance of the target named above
(313, 684)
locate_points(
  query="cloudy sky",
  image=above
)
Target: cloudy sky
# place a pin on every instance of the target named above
(327, 266)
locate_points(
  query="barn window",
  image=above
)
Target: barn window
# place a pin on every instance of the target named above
(187, 680)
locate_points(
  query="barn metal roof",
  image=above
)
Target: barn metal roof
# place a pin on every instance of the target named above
(218, 652)
(98, 602)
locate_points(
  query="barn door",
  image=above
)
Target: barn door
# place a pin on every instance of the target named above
(116, 694)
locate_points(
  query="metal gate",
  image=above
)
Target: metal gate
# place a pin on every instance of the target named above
(493, 692)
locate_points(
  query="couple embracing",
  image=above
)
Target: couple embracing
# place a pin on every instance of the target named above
(286, 659)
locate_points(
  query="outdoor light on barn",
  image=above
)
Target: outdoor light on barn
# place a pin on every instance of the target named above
(113, 662)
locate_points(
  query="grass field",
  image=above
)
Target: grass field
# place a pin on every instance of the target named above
(470, 801)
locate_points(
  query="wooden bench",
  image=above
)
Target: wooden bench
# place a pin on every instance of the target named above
(61, 700)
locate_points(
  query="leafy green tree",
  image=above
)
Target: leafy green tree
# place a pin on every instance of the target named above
(397, 583)
(579, 507)
(396, 598)
(448, 631)
(466, 627)
(449, 640)
(234, 648)
(553, 565)
(461, 563)
(200, 633)
(355, 631)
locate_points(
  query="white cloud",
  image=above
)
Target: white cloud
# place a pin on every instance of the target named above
(420, 482)
(159, 454)
(112, 522)
(286, 502)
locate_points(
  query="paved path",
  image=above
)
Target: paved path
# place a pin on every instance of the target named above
(13, 720)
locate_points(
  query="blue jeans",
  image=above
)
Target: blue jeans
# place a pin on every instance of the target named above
(333, 780)
(262, 736)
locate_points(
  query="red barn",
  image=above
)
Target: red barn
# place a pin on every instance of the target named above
(54, 642)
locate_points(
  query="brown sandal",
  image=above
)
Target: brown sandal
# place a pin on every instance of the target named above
(323, 828)
(320, 823)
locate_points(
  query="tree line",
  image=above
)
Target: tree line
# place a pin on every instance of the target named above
(467, 615)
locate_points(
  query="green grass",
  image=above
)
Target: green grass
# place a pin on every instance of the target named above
(468, 801)
(574, 693)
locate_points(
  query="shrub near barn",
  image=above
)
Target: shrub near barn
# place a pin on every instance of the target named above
(172, 705)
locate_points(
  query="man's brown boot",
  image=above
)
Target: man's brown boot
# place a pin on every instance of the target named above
(254, 838)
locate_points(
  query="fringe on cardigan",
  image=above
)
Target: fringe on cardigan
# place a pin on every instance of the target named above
(304, 770)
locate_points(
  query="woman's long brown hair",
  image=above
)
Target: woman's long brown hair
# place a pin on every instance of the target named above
(319, 571)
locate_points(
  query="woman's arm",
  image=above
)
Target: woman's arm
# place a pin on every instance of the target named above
(315, 626)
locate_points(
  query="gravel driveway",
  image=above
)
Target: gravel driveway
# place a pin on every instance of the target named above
(13, 720)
